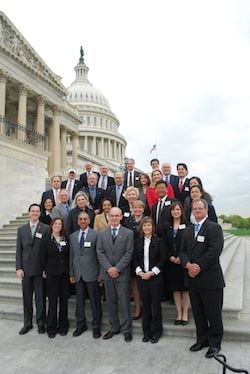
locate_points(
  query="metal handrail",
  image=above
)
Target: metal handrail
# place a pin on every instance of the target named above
(226, 366)
(21, 133)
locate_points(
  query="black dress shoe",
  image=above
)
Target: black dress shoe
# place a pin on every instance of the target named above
(96, 333)
(155, 339)
(110, 334)
(212, 351)
(127, 337)
(51, 335)
(79, 331)
(198, 346)
(25, 329)
(145, 339)
(177, 322)
(63, 333)
(184, 322)
(41, 330)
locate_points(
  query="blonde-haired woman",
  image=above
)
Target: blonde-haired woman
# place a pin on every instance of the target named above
(131, 194)
(80, 204)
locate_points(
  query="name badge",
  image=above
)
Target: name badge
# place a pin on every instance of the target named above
(62, 243)
(87, 244)
(182, 227)
(167, 203)
(136, 178)
(186, 189)
(38, 235)
(200, 238)
(126, 214)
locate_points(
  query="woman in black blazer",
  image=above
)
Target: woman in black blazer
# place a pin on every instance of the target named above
(56, 270)
(171, 234)
(46, 210)
(196, 192)
(149, 260)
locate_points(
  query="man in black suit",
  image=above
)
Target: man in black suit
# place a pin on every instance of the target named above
(95, 194)
(72, 185)
(181, 184)
(201, 248)
(167, 176)
(53, 193)
(29, 268)
(104, 180)
(84, 176)
(161, 209)
(115, 193)
(131, 176)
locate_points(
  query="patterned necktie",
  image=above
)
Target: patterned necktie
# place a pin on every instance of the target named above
(69, 188)
(114, 234)
(103, 183)
(33, 229)
(196, 229)
(57, 197)
(130, 179)
(180, 185)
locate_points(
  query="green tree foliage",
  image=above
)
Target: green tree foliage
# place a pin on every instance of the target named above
(236, 221)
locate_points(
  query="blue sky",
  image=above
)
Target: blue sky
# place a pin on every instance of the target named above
(176, 73)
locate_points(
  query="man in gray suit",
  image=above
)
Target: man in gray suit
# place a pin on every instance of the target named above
(84, 271)
(29, 268)
(115, 250)
(62, 209)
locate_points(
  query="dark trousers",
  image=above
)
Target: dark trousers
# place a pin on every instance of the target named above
(118, 294)
(32, 285)
(151, 295)
(95, 302)
(57, 288)
(207, 312)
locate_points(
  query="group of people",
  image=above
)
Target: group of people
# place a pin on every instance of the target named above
(143, 237)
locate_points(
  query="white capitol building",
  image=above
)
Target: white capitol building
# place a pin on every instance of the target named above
(45, 128)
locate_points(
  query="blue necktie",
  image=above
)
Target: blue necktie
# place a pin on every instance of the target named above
(114, 234)
(196, 229)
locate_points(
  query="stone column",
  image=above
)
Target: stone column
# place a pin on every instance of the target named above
(94, 146)
(85, 147)
(102, 147)
(109, 149)
(22, 111)
(56, 148)
(123, 153)
(63, 148)
(115, 153)
(40, 121)
(50, 148)
(119, 152)
(75, 151)
(3, 82)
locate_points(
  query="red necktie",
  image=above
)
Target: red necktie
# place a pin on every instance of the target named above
(180, 185)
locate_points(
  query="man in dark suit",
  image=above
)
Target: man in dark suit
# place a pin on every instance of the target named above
(131, 176)
(167, 176)
(94, 194)
(115, 193)
(84, 271)
(72, 185)
(104, 180)
(53, 193)
(84, 176)
(181, 184)
(115, 250)
(161, 209)
(201, 248)
(29, 268)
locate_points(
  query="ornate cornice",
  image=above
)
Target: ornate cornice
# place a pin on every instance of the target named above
(14, 44)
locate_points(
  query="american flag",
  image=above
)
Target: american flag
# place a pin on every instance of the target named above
(153, 148)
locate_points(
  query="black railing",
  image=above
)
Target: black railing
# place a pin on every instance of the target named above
(223, 361)
(21, 133)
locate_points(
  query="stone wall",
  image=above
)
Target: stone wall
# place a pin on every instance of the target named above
(23, 171)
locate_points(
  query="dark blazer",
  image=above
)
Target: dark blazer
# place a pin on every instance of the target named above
(111, 181)
(84, 178)
(55, 257)
(205, 250)
(111, 194)
(29, 250)
(165, 213)
(77, 187)
(118, 254)
(181, 196)
(211, 214)
(166, 233)
(98, 199)
(136, 181)
(72, 219)
(45, 218)
(157, 254)
(84, 265)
